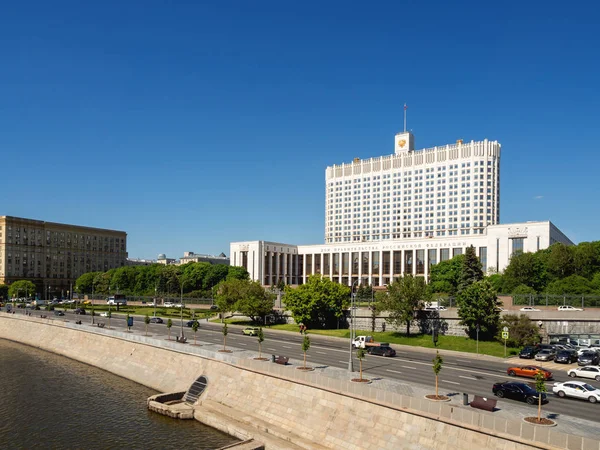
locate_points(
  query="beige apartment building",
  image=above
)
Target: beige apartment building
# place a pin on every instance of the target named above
(54, 255)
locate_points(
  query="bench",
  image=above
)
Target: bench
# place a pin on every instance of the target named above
(78, 322)
(485, 403)
(283, 360)
(100, 324)
(181, 339)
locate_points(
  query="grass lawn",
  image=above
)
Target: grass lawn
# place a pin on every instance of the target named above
(456, 343)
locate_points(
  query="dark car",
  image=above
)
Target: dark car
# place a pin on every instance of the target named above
(566, 357)
(79, 311)
(382, 350)
(156, 320)
(589, 358)
(213, 307)
(191, 323)
(518, 391)
(58, 313)
(528, 352)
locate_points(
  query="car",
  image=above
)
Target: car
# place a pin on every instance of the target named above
(436, 308)
(545, 355)
(58, 313)
(213, 307)
(381, 350)
(577, 389)
(569, 308)
(528, 309)
(179, 305)
(79, 311)
(156, 320)
(250, 331)
(104, 314)
(190, 323)
(528, 352)
(566, 357)
(86, 302)
(169, 304)
(585, 372)
(588, 358)
(518, 391)
(528, 371)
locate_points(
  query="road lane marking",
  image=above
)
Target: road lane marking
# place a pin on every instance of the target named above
(322, 353)
(468, 378)
(343, 362)
(272, 349)
(451, 382)
(241, 343)
(463, 360)
(408, 367)
(286, 346)
(394, 371)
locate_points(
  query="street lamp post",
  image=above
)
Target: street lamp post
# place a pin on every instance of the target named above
(181, 312)
(350, 362)
(155, 290)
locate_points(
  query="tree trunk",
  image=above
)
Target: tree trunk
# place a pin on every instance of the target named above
(408, 328)
(224, 342)
(146, 329)
(305, 360)
(436, 386)
(360, 362)
(194, 338)
(539, 406)
(259, 350)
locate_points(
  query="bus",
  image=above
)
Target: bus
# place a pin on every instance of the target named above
(117, 299)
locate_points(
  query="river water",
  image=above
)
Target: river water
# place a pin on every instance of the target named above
(48, 401)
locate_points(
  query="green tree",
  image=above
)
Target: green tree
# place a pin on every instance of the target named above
(305, 346)
(21, 288)
(225, 337)
(497, 282)
(478, 305)
(522, 330)
(195, 326)
(540, 387)
(319, 303)
(255, 301)
(147, 321)
(3, 291)
(364, 294)
(437, 368)
(403, 297)
(169, 325)
(360, 354)
(586, 259)
(85, 283)
(525, 268)
(559, 260)
(471, 271)
(260, 337)
(571, 285)
(229, 293)
(237, 273)
(444, 276)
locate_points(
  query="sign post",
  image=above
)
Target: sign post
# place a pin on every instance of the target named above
(505, 337)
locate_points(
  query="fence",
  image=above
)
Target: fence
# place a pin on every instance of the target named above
(578, 301)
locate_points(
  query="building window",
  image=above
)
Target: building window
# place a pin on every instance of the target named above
(386, 262)
(456, 252)
(408, 261)
(375, 263)
(431, 257)
(444, 254)
(483, 258)
(397, 263)
(517, 245)
(538, 243)
(326, 264)
(420, 262)
(336, 263)
(345, 263)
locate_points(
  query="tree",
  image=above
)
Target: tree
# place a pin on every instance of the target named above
(403, 297)
(147, 321)
(471, 270)
(444, 276)
(540, 387)
(127, 322)
(21, 288)
(195, 326)
(497, 281)
(305, 346)
(230, 292)
(169, 325)
(109, 315)
(237, 273)
(559, 260)
(586, 259)
(522, 330)
(319, 303)
(360, 354)
(3, 291)
(573, 284)
(437, 368)
(478, 305)
(527, 269)
(255, 302)
(261, 337)
(224, 336)
(364, 294)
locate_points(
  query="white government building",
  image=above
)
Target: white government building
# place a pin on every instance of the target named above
(400, 214)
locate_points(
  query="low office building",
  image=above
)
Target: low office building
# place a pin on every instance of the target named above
(53, 255)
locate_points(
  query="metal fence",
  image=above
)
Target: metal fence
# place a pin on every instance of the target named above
(578, 301)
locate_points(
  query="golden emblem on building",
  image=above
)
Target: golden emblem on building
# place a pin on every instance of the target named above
(401, 143)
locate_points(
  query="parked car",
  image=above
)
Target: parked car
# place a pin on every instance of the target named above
(569, 308)
(436, 308)
(518, 391)
(382, 350)
(104, 314)
(528, 371)
(156, 320)
(190, 323)
(528, 309)
(250, 331)
(528, 352)
(213, 307)
(169, 304)
(589, 358)
(79, 311)
(179, 305)
(577, 389)
(585, 372)
(545, 355)
(566, 357)
(58, 313)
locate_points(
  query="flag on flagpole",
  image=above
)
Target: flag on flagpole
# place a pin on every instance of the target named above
(405, 107)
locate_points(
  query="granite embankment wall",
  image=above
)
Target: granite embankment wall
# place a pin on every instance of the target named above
(307, 410)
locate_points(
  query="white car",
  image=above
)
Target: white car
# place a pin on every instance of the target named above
(577, 389)
(585, 372)
(528, 308)
(179, 305)
(569, 308)
(436, 308)
(169, 304)
(104, 314)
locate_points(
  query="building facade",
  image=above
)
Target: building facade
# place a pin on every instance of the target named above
(401, 214)
(54, 255)
(189, 257)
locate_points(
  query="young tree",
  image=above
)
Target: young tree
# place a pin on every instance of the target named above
(404, 296)
(195, 327)
(540, 387)
(147, 321)
(261, 337)
(360, 354)
(478, 305)
(127, 322)
(437, 368)
(523, 331)
(224, 336)
(109, 315)
(305, 346)
(169, 325)
(471, 271)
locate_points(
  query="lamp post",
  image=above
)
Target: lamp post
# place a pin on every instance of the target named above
(350, 362)
(181, 311)
(155, 290)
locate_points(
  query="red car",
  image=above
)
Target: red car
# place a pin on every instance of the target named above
(528, 371)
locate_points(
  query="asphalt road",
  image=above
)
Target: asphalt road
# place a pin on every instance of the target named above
(460, 373)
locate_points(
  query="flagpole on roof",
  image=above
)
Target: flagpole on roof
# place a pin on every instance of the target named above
(405, 107)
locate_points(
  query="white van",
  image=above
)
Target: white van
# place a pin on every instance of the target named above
(117, 299)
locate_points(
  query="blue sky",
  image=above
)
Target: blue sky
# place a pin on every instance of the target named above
(193, 124)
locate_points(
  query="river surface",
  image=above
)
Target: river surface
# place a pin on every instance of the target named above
(48, 401)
